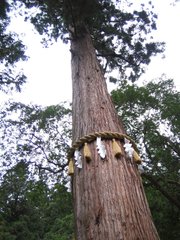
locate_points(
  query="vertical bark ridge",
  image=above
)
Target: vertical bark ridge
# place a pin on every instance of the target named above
(108, 194)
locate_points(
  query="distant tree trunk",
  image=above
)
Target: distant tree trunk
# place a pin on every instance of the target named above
(109, 200)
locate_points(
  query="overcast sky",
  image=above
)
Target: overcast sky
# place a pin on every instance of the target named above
(48, 69)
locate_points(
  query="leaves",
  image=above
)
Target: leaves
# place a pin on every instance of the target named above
(40, 136)
(31, 209)
(12, 50)
(10, 81)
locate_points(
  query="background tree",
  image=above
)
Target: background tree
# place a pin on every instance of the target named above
(12, 51)
(19, 218)
(39, 135)
(30, 209)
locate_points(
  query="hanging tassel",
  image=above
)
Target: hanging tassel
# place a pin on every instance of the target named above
(116, 149)
(70, 167)
(87, 153)
(136, 157)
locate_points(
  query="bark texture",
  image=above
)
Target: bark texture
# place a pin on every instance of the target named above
(109, 200)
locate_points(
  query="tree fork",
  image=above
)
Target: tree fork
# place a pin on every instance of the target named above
(108, 195)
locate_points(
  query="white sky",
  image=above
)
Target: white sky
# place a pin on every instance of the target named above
(48, 69)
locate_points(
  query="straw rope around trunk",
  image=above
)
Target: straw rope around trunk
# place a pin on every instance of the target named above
(83, 141)
(104, 135)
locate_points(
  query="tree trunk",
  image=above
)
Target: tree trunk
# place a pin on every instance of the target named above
(109, 200)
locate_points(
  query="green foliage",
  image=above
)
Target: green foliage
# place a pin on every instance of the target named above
(165, 215)
(33, 202)
(30, 209)
(120, 31)
(12, 50)
(11, 81)
(60, 224)
(41, 136)
(4, 9)
(16, 212)
(150, 114)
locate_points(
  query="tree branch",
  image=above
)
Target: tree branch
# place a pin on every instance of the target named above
(173, 146)
(115, 55)
(174, 183)
(160, 188)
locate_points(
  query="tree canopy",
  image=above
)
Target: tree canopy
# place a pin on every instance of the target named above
(120, 30)
(12, 50)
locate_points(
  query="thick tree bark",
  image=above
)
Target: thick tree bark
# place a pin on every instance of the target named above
(109, 200)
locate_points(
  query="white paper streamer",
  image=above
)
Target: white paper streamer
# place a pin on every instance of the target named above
(77, 158)
(141, 169)
(68, 184)
(128, 148)
(100, 148)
